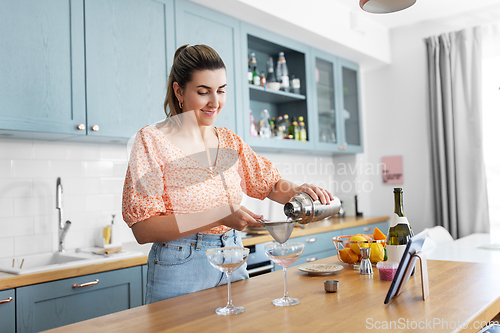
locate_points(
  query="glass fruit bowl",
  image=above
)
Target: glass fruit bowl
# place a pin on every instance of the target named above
(348, 248)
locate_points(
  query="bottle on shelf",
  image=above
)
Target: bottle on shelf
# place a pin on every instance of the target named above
(286, 126)
(294, 129)
(263, 79)
(399, 231)
(271, 77)
(252, 63)
(255, 72)
(253, 126)
(282, 73)
(295, 85)
(272, 122)
(279, 127)
(302, 129)
(265, 127)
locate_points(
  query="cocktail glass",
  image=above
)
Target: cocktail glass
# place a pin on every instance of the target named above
(284, 255)
(228, 260)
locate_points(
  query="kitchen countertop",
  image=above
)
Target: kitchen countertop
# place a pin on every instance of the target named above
(8, 280)
(461, 293)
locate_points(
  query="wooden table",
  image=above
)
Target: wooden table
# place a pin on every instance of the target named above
(460, 293)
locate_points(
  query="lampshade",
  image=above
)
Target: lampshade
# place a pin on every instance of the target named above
(385, 6)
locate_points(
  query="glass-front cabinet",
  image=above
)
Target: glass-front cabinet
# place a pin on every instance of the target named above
(351, 113)
(336, 102)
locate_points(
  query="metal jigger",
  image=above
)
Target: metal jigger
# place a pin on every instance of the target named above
(365, 267)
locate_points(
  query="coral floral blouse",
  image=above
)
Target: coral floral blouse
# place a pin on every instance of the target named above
(162, 180)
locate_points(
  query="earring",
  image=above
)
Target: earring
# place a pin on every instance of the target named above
(180, 105)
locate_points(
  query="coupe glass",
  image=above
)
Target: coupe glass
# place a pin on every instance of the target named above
(284, 255)
(227, 260)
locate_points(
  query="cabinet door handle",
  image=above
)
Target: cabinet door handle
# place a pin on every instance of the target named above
(311, 240)
(95, 128)
(8, 300)
(367, 229)
(80, 127)
(311, 259)
(88, 284)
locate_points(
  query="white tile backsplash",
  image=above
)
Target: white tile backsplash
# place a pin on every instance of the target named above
(92, 176)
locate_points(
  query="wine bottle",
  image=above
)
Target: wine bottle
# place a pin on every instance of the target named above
(399, 231)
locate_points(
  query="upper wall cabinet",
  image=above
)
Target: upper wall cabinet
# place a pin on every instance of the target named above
(127, 44)
(336, 100)
(199, 25)
(287, 104)
(352, 135)
(80, 67)
(42, 70)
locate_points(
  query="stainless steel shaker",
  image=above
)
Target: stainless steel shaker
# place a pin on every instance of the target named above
(303, 209)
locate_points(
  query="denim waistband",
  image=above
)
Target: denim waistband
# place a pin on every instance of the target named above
(200, 239)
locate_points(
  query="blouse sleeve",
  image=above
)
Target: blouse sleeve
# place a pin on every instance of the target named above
(143, 189)
(258, 174)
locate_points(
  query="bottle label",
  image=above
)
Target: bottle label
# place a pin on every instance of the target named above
(396, 219)
(395, 252)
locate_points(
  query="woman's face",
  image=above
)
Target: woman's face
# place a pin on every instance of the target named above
(205, 94)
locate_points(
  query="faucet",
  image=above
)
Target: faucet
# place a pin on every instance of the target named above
(63, 227)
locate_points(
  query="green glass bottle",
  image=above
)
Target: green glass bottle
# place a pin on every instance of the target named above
(400, 230)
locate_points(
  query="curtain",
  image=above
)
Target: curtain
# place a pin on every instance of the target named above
(454, 72)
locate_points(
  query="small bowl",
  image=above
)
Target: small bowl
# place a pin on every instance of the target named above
(331, 286)
(387, 270)
(273, 86)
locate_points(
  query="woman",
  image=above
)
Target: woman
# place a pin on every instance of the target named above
(185, 180)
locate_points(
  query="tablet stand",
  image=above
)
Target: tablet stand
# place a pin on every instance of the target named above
(424, 278)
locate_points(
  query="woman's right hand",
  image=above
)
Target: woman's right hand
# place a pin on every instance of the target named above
(241, 219)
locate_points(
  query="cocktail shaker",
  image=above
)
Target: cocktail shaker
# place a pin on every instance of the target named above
(303, 209)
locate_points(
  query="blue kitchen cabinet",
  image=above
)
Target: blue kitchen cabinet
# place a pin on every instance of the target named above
(350, 112)
(317, 246)
(199, 25)
(81, 68)
(266, 44)
(367, 229)
(8, 311)
(337, 118)
(42, 66)
(128, 53)
(144, 274)
(48, 305)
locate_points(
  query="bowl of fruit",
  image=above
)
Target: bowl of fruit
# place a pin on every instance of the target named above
(348, 247)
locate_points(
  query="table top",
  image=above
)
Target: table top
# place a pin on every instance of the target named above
(461, 293)
(468, 248)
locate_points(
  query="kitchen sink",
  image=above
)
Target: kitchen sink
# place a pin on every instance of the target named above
(44, 262)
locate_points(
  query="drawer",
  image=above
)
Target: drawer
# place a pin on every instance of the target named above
(317, 242)
(367, 229)
(48, 305)
(8, 311)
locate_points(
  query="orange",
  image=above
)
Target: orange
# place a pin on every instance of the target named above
(355, 246)
(347, 256)
(379, 235)
(376, 252)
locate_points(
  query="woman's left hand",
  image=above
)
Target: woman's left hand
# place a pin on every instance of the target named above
(316, 193)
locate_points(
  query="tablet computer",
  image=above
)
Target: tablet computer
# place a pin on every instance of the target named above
(413, 246)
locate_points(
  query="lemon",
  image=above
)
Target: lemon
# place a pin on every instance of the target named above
(376, 252)
(355, 246)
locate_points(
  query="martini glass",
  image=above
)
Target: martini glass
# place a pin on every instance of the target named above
(284, 255)
(227, 260)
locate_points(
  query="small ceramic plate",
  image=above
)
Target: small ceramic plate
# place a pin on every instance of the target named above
(320, 269)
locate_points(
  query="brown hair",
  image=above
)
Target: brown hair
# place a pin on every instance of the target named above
(187, 60)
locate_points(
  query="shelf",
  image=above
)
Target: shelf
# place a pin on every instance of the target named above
(272, 96)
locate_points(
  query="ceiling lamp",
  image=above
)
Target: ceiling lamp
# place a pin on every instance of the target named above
(385, 6)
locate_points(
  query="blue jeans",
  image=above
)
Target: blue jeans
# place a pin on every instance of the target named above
(181, 266)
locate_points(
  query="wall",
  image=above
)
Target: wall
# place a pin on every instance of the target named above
(395, 105)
